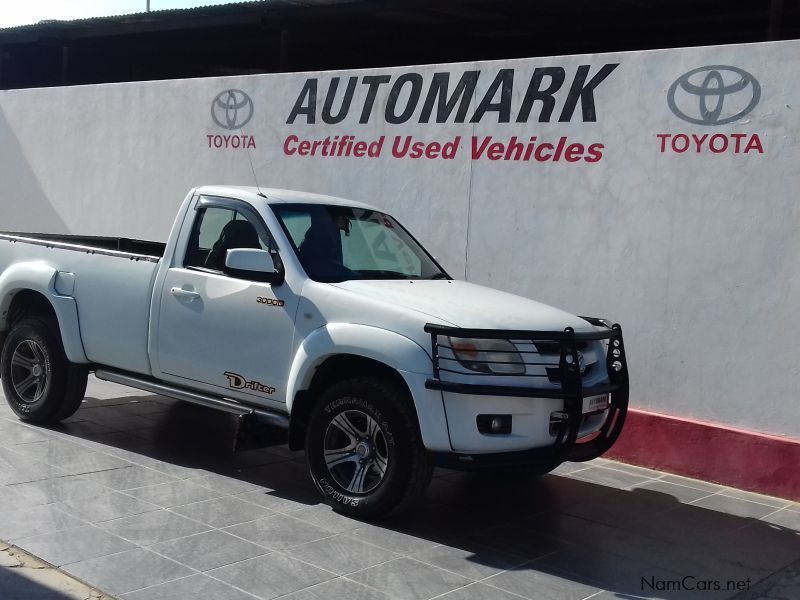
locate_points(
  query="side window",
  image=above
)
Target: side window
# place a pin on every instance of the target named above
(217, 230)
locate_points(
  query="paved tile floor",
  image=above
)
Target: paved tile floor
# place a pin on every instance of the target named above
(140, 497)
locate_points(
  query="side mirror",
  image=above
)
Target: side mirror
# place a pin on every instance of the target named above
(253, 264)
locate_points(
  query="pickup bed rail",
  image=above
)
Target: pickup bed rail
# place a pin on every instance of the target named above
(111, 246)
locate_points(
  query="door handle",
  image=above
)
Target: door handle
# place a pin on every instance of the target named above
(184, 294)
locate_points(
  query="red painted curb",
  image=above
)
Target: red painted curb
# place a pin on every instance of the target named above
(747, 460)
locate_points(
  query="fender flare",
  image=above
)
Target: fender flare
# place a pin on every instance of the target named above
(387, 347)
(42, 278)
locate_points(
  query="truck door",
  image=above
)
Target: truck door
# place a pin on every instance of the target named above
(220, 332)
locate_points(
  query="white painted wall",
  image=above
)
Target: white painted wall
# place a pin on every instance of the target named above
(696, 254)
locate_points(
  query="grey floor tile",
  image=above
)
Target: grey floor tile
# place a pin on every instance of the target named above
(10, 459)
(22, 434)
(529, 582)
(396, 541)
(178, 471)
(408, 579)
(341, 554)
(8, 497)
(128, 571)
(31, 471)
(632, 469)
(759, 546)
(758, 498)
(121, 421)
(271, 576)
(223, 512)
(105, 507)
(58, 489)
(626, 509)
(28, 521)
(196, 587)
(520, 539)
(90, 462)
(74, 545)
(129, 478)
(152, 527)
(208, 550)
(51, 450)
(681, 493)
(469, 560)
(693, 483)
(338, 589)
(83, 428)
(607, 570)
(287, 500)
(175, 493)
(609, 477)
(225, 485)
(278, 532)
(323, 516)
(479, 591)
(734, 506)
(784, 518)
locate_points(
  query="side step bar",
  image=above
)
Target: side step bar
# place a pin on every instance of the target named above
(159, 387)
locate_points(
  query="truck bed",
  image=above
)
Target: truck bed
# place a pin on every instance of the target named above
(118, 244)
(113, 288)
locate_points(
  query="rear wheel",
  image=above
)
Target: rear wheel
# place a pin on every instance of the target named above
(364, 450)
(40, 384)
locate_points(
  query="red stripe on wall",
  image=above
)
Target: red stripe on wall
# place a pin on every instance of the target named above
(748, 460)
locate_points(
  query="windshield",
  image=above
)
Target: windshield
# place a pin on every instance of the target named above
(337, 243)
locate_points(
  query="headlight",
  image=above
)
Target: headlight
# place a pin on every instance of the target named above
(498, 357)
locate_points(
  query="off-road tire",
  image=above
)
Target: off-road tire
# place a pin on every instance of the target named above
(65, 382)
(408, 466)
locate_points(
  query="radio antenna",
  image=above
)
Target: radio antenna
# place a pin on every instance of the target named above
(252, 168)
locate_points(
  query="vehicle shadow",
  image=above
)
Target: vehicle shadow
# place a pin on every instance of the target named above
(625, 533)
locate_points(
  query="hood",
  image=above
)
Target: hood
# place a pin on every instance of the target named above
(465, 304)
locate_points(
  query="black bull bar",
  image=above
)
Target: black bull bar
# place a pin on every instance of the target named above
(567, 446)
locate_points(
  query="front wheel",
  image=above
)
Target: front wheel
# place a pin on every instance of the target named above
(364, 450)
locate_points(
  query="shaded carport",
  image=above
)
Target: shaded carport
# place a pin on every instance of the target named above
(286, 35)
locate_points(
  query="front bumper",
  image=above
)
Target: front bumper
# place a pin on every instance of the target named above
(538, 441)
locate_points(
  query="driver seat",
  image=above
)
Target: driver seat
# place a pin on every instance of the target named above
(235, 234)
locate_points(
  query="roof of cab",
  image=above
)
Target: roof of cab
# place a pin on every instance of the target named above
(277, 196)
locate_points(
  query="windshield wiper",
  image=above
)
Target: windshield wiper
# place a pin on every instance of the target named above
(376, 274)
(440, 275)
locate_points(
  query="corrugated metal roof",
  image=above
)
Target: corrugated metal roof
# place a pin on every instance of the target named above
(158, 15)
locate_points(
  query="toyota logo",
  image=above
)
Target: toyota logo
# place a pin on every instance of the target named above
(232, 109)
(714, 95)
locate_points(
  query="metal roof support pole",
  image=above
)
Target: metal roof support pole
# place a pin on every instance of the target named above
(775, 18)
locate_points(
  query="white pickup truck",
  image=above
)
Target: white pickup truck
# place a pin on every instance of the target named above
(321, 319)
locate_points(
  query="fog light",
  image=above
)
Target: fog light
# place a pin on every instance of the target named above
(494, 424)
(616, 365)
